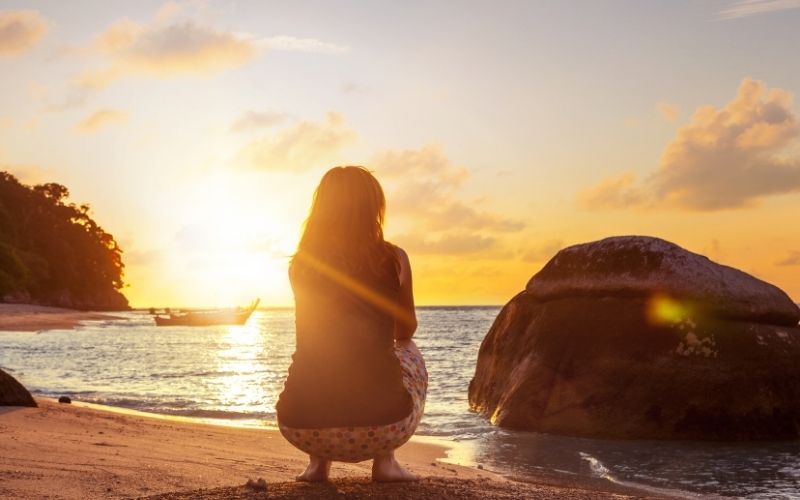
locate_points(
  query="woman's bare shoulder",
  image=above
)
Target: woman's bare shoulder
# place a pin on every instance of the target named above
(402, 256)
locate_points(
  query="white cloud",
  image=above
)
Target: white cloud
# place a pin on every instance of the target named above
(747, 8)
(295, 44)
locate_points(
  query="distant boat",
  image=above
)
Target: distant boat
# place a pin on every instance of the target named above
(238, 316)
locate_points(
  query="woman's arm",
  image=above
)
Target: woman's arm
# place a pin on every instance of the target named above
(406, 324)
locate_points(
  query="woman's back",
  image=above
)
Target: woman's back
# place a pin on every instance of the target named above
(344, 371)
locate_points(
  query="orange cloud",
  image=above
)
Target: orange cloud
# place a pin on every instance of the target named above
(619, 191)
(100, 119)
(724, 158)
(174, 43)
(300, 147)
(668, 112)
(793, 259)
(448, 244)
(20, 30)
(166, 48)
(423, 187)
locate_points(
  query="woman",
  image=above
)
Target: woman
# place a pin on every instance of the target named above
(356, 387)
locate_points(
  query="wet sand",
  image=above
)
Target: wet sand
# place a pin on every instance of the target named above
(31, 318)
(89, 451)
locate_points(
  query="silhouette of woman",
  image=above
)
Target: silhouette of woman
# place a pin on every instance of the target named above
(357, 383)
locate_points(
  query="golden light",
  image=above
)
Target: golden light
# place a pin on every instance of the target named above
(664, 309)
(238, 247)
(240, 361)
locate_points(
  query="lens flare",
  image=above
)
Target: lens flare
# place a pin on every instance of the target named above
(662, 309)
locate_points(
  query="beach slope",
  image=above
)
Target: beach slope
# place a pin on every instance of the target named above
(85, 451)
(31, 318)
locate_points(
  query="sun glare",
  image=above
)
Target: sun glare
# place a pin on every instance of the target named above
(237, 248)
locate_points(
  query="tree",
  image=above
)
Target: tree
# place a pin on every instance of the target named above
(52, 252)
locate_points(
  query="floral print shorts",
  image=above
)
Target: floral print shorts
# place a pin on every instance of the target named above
(356, 444)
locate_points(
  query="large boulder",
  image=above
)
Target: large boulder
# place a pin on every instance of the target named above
(12, 393)
(635, 337)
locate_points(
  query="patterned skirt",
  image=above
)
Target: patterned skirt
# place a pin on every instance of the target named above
(356, 444)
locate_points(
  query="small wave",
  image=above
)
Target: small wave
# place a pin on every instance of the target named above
(194, 374)
(218, 414)
(602, 472)
(597, 467)
(177, 407)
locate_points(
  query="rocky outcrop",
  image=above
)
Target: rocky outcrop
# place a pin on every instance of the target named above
(635, 337)
(12, 393)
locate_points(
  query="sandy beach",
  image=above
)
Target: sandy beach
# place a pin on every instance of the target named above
(90, 451)
(31, 318)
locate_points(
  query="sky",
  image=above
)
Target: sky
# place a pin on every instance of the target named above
(500, 131)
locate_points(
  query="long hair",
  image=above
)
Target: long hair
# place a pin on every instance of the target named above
(344, 229)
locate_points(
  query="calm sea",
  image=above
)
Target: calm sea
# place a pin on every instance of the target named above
(236, 373)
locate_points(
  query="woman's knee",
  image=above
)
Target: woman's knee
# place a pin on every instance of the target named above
(408, 344)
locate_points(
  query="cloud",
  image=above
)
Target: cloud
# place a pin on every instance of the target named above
(793, 259)
(618, 191)
(174, 43)
(294, 44)
(451, 244)
(300, 147)
(258, 119)
(20, 30)
(101, 119)
(668, 112)
(724, 158)
(166, 49)
(747, 8)
(424, 188)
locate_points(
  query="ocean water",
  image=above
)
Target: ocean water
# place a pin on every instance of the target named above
(236, 373)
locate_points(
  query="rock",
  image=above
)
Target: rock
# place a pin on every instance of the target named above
(66, 400)
(631, 266)
(259, 485)
(635, 337)
(12, 393)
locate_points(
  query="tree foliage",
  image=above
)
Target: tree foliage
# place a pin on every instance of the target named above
(52, 252)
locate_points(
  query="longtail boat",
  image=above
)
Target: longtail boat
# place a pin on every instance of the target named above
(237, 316)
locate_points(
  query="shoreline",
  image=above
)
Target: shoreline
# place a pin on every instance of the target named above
(33, 318)
(85, 450)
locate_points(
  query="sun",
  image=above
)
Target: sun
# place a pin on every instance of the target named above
(237, 248)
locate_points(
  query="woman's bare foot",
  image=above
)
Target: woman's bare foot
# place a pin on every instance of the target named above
(317, 471)
(386, 469)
